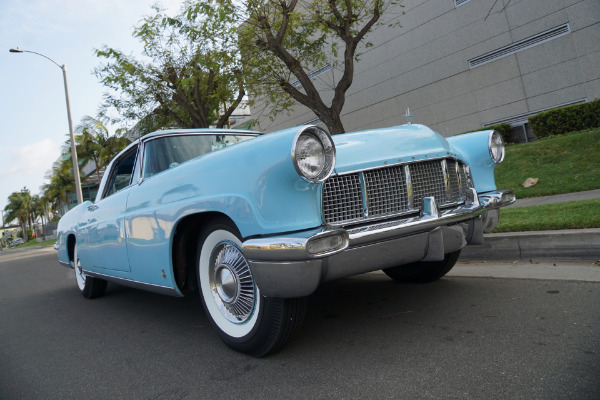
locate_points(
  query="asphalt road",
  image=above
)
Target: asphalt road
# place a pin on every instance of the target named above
(480, 333)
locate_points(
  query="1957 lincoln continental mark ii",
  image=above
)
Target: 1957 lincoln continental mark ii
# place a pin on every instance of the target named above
(255, 222)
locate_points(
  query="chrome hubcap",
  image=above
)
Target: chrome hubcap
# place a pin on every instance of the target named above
(226, 284)
(231, 283)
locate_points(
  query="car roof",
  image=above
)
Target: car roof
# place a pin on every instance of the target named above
(203, 131)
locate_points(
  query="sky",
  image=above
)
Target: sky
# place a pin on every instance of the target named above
(33, 113)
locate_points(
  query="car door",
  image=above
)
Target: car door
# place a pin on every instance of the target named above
(105, 240)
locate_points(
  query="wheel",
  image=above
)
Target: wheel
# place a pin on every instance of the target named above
(244, 319)
(423, 271)
(89, 287)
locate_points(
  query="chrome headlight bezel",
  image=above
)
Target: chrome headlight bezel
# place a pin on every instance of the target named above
(496, 147)
(327, 146)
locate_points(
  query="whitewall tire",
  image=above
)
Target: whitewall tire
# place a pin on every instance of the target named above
(244, 319)
(89, 287)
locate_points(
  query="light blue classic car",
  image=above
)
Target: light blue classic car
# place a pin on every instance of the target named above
(255, 222)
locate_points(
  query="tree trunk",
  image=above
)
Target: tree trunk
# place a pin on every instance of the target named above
(335, 125)
(24, 230)
(97, 169)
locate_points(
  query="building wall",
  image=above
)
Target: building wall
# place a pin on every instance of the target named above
(424, 65)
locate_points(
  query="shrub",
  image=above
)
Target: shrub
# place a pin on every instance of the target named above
(566, 119)
(29, 233)
(505, 130)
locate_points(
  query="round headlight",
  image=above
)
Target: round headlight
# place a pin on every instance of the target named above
(313, 153)
(496, 145)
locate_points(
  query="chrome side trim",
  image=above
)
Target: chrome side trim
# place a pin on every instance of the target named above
(292, 248)
(136, 284)
(65, 264)
(498, 199)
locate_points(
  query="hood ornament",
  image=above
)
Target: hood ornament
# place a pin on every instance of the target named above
(408, 116)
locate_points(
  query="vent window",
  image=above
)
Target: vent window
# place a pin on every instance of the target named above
(520, 45)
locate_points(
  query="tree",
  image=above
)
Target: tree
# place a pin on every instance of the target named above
(190, 74)
(40, 209)
(19, 207)
(61, 183)
(95, 143)
(283, 39)
(92, 134)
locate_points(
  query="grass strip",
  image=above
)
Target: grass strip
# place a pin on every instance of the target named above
(563, 164)
(570, 215)
(34, 243)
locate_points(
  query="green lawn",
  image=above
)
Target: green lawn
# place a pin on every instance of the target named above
(563, 164)
(34, 243)
(570, 215)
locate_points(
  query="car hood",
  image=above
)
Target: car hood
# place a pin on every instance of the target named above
(380, 147)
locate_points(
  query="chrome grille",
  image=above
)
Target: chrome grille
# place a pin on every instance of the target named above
(454, 178)
(427, 181)
(458, 179)
(464, 179)
(342, 199)
(386, 191)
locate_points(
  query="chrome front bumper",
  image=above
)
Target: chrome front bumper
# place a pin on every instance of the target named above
(294, 265)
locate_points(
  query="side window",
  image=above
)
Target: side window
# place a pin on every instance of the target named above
(120, 175)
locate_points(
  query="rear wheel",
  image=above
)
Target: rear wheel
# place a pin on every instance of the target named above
(244, 319)
(89, 287)
(423, 271)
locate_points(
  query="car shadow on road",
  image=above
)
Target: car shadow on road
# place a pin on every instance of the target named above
(340, 314)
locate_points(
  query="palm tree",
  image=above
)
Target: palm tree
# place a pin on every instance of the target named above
(95, 143)
(113, 145)
(91, 141)
(61, 183)
(40, 209)
(19, 207)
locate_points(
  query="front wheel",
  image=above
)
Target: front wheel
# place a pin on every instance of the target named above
(423, 271)
(89, 287)
(244, 319)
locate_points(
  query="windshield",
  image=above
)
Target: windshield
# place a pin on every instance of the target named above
(167, 152)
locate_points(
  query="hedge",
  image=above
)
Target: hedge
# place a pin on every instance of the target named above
(566, 119)
(506, 131)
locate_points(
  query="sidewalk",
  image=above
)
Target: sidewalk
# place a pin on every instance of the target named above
(559, 198)
(572, 244)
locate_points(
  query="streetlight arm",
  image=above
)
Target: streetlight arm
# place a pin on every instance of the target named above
(18, 50)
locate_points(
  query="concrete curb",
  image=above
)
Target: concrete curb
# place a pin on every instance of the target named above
(575, 244)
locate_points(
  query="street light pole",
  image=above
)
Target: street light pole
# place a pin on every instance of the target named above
(71, 133)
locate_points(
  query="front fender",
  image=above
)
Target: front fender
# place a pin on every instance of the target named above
(474, 148)
(254, 182)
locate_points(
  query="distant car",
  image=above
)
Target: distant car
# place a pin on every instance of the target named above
(16, 242)
(257, 221)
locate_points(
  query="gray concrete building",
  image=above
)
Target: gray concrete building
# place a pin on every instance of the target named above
(462, 65)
